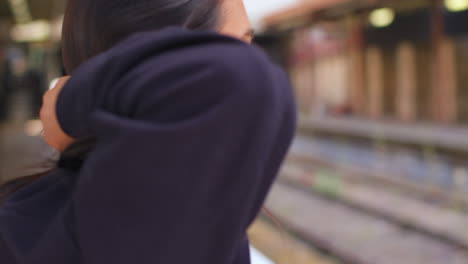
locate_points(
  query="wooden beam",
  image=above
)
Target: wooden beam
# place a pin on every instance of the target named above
(443, 99)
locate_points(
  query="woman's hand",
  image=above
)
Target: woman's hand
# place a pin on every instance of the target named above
(53, 134)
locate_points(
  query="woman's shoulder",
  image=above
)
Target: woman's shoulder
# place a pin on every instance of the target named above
(179, 49)
(153, 75)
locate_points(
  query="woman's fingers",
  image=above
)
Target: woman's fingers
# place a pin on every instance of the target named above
(52, 132)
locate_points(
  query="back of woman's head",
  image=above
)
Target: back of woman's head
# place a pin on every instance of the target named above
(93, 26)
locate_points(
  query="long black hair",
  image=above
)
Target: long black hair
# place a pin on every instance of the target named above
(93, 26)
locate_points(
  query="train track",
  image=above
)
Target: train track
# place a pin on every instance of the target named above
(411, 211)
(304, 154)
(356, 236)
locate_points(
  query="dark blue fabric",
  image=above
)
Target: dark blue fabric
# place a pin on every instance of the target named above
(191, 131)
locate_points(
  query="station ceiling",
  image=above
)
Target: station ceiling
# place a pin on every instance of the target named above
(334, 8)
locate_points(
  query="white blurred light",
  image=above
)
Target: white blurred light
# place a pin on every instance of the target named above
(38, 30)
(53, 83)
(382, 17)
(257, 9)
(33, 128)
(456, 5)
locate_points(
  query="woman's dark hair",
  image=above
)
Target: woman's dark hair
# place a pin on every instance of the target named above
(93, 26)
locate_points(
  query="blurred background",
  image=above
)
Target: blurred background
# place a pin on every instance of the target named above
(378, 172)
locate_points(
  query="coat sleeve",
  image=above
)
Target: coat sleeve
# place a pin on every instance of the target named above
(179, 174)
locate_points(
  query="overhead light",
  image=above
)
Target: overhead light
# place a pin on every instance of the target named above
(382, 17)
(35, 31)
(456, 5)
(20, 10)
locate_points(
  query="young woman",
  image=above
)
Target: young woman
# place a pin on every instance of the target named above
(171, 135)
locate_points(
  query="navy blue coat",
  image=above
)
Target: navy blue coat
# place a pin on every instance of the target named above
(191, 130)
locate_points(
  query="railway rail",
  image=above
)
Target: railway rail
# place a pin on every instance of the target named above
(356, 237)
